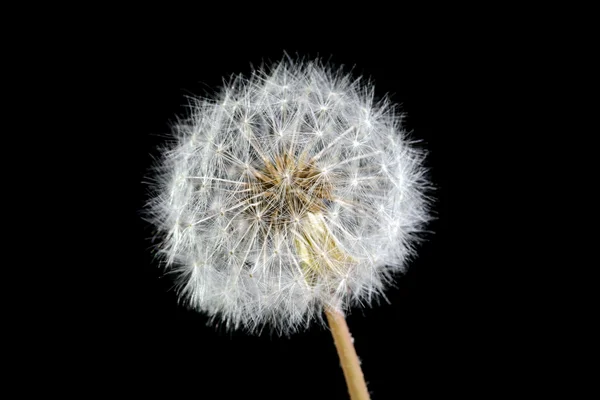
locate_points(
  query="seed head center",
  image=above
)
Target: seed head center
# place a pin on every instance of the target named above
(288, 187)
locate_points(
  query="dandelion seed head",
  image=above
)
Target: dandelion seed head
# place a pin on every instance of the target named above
(290, 191)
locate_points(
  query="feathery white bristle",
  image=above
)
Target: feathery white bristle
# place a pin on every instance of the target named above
(293, 168)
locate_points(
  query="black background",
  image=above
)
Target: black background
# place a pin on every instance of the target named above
(134, 337)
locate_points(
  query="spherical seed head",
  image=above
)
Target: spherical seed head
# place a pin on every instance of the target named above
(291, 191)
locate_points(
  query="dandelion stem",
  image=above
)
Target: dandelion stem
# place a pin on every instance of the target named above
(347, 353)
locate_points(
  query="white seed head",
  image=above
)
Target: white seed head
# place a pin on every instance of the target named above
(291, 191)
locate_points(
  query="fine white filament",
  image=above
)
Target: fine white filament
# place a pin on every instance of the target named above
(290, 191)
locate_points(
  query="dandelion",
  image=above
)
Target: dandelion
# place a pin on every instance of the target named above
(291, 193)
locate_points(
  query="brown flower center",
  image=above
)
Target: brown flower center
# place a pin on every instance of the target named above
(289, 188)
